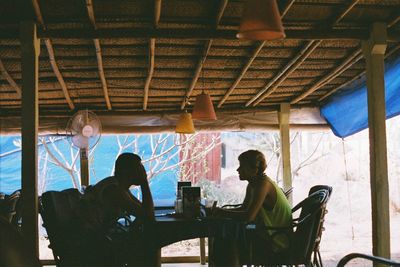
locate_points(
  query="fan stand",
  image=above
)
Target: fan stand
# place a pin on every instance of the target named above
(83, 152)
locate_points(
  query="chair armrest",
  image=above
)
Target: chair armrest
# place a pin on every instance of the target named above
(351, 256)
(230, 206)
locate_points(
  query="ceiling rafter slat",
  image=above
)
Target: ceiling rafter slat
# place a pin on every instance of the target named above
(313, 88)
(353, 58)
(252, 58)
(242, 73)
(152, 47)
(90, 11)
(280, 77)
(10, 80)
(359, 75)
(50, 51)
(207, 47)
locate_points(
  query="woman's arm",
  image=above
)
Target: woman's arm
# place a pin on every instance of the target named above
(254, 199)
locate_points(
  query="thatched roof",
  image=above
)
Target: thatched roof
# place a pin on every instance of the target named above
(116, 56)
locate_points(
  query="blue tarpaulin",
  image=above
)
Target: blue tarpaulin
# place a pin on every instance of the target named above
(347, 112)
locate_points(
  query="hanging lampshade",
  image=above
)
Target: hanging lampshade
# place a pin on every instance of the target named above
(261, 21)
(203, 108)
(185, 124)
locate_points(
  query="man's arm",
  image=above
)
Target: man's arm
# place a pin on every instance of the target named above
(147, 201)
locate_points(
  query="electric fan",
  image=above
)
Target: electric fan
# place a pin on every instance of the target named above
(84, 131)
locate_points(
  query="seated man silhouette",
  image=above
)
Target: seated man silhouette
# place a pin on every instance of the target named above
(113, 199)
(264, 204)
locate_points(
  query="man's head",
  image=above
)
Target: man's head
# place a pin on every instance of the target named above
(252, 164)
(129, 169)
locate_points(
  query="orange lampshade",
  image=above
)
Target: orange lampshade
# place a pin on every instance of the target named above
(203, 108)
(261, 21)
(185, 124)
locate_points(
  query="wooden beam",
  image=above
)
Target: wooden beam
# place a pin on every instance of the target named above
(250, 61)
(101, 72)
(220, 12)
(9, 79)
(374, 50)
(287, 7)
(394, 21)
(157, 12)
(89, 8)
(345, 11)
(257, 50)
(30, 49)
(284, 128)
(195, 34)
(200, 64)
(197, 72)
(297, 61)
(152, 46)
(284, 73)
(353, 58)
(390, 52)
(50, 51)
(57, 72)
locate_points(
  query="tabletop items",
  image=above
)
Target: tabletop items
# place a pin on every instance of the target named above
(188, 200)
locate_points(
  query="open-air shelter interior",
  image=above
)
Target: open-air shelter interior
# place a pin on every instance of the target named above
(139, 64)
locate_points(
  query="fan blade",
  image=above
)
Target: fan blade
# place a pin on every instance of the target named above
(80, 141)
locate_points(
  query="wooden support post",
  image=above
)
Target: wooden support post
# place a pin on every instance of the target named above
(374, 50)
(202, 251)
(283, 114)
(84, 154)
(30, 49)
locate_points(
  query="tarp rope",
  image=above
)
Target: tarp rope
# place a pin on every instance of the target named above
(348, 190)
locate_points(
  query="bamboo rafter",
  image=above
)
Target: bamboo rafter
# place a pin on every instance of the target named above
(354, 57)
(359, 75)
(201, 61)
(50, 51)
(252, 58)
(9, 79)
(152, 47)
(242, 73)
(335, 21)
(390, 24)
(284, 73)
(89, 8)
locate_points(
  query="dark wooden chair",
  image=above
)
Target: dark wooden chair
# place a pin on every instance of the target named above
(343, 261)
(302, 235)
(13, 250)
(71, 243)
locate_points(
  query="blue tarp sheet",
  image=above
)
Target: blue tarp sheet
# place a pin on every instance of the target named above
(347, 112)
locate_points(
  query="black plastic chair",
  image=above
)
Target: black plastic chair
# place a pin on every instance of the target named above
(374, 259)
(302, 235)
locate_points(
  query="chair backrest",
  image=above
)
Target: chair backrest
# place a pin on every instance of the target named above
(60, 220)
(17, 218)
(317, 256)
(306, 232)
(72, 243)
(9, 205)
